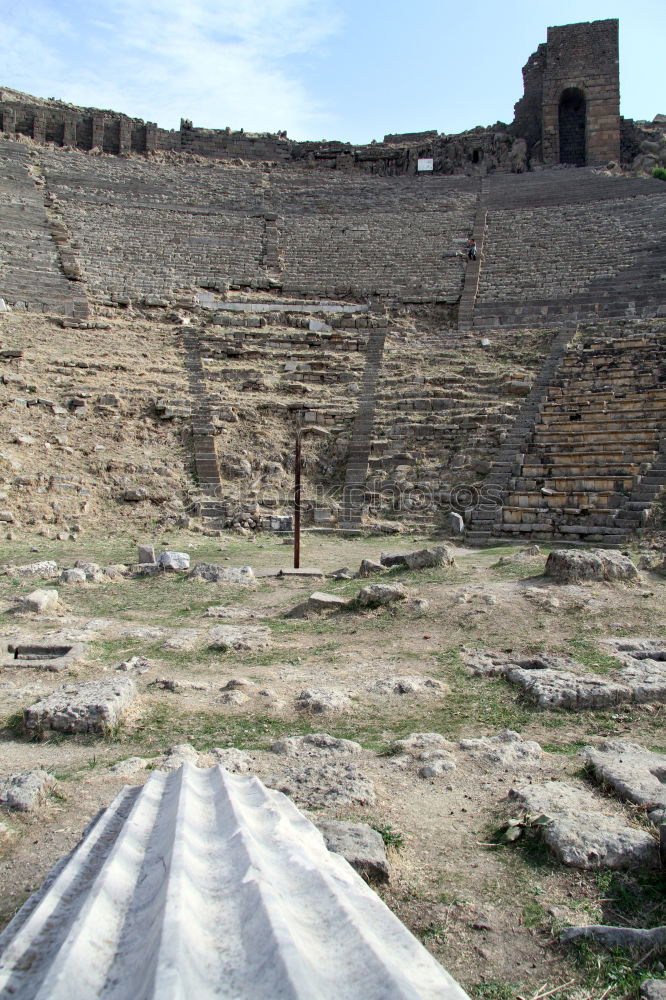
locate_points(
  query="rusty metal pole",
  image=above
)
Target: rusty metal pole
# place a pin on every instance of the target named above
(297, 502)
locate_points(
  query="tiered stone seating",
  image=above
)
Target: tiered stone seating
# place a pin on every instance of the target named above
(443, 406)
(149, 228)
(146, 228)
(255, 384)
(30, 269)
(570, 244)
(599, 433)
(393, 237)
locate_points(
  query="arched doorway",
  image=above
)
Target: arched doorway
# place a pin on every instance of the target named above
(572, 127)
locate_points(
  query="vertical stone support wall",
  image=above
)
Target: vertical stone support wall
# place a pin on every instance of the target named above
(69, 132)
(124, 135)
(98, 131)
(584, 57)
(39, 127)
(9, 121)
(151, 137)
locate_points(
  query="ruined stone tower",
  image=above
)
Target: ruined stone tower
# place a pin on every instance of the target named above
(570, 111)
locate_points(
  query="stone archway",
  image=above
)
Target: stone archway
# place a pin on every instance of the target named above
(572, 127)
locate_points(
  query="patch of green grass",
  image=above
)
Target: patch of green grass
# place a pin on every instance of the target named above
(14, 725)
(587, 653)
(494, 989)
(392, 838)
(434, 931)
(533, 913)
(633, 897)
(570, 749)
(614, 972)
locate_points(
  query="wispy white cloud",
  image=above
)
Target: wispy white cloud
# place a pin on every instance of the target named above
(218, 62)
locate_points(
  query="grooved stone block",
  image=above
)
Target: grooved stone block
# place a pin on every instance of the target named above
(205, 884)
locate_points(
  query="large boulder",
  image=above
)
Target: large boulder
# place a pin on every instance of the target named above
(361, 846)
(574, 566)
(212, 573)
(438, 555)
(89, 707)
(378, 594)
(25, 792)
(173, 562)
(584, 832)
(41, 602)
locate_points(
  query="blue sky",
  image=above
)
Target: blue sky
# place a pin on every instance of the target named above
(334, 69)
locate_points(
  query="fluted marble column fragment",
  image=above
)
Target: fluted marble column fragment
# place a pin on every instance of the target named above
(206, 884)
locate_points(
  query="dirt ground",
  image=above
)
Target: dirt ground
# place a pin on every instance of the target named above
(488, 910)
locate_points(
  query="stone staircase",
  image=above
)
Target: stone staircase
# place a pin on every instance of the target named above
(596, 459)
(473, 267)
(203, 430)
(361, 442)
(37, 263)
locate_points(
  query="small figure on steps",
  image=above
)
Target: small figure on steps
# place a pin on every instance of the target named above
(471, 249)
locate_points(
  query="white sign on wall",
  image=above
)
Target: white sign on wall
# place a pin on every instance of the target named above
(424, 165)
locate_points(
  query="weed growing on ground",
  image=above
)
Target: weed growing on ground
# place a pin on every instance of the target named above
(392, 838)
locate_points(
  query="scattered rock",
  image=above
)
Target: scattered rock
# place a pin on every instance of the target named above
(89, 707)
(327, 786)
(176, 756)
(408, 684)
(437, 766)
(343, 574)
(41, 602)
(239, 684)
(319, 603)
(239, 637)
(233, 698)
(439, 555)
(419, 605)
(320, 701)
(178, 686)
(173, 562)
(581, 833)
(379, 594)
(456, 525)
(128, 768)
(645, 666)
(146, 554)
(135, 665)
(232, 759)
(183, 640)
(25, 792)
(418, 742)
(563, 689)
(619, 937)
(73, 575)
(47, 569)
(653, 989)
(635, 774)
(368, 567)
(360, 845)
(552, 681)
(140, 632)
(231, 614)
(575, 566)
(212, 573)
(314, 745)
(508, 748)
